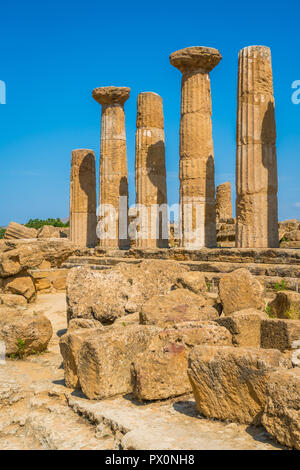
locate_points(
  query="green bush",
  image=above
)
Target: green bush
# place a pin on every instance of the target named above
(38, 223)
(2, 232)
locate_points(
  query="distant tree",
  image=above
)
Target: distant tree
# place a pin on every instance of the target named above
(2, 232)
(39, 223)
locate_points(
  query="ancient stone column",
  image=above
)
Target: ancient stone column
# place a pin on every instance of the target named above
(196, 172)
(223, 202)
(150, 172)
(83, 219)
(113, 199)
(256, 161)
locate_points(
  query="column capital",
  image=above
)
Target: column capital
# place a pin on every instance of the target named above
(197, 57)
(109, 95)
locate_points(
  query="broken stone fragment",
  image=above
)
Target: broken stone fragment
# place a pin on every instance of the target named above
(279, 334)
(281, 416)
(179, 305)
(105, 359)
(24, 334)
(245, 327)
(161, 371)
(285, 305)
(240, 290)
(230, 383)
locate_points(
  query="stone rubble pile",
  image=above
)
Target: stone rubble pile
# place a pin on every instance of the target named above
(157, 333)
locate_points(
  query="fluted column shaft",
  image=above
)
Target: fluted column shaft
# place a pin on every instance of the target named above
(223, 202)
(83, 218)
(196, 171)
(150, 172)
(256, 160)
(113, 166)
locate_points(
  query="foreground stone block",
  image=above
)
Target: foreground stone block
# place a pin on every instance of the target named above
(20, 285)
(49, 231)
(105, 359)
(239, 290)
(230, 383)
(108, 295)
(192, 280)
(279, 334)
(15, 231)
(281, 416)
(35, 331)
(286, 305)
(161, 371)
(70, 345)
(245, 327)
(179, 305)
(11, 300)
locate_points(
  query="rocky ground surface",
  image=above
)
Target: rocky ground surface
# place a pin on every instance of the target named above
(39, 412)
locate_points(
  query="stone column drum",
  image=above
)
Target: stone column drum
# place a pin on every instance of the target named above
(256, 161)
(196, 172)
(150, 172)
(223, 202)
(113, 167)
(83, 205)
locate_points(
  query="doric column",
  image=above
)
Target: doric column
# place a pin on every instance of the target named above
(196, 173)
(113, 200)
(223, 202)
(83, 219)
(150, 172)
(256, 161)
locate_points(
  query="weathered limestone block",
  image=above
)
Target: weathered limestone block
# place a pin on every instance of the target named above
(285, 305)
(12, 300)
(34, 330)
(78, 323)
(239, 290)
(279, 334)
(113, 167)
(245, 327)
(196, 171)
(192, 280)
(177, 306)
(256, 160)
(150, 172)
(230, 383)
(223, 202)
(70, 344)
(15, 231)
(21, 255)
(49, 280)
(20, 285)
(105, 359)
(281, 417)
(83, 205)
(49, 231)
(108, 295)
(161, 371)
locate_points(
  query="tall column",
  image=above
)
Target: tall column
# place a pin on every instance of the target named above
(83, 219)
(223, 202)
(256, 161)
(150, 172)
(196, 172)
(113, 200)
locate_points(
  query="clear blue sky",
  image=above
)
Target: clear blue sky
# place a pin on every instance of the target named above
(53, 54)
